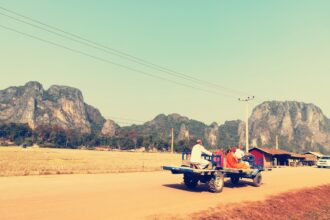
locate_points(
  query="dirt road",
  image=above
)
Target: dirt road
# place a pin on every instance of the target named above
(134, 195)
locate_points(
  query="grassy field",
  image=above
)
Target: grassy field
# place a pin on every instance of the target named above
(17, 161)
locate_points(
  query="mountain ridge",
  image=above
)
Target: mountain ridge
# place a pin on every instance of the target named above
(298, 125)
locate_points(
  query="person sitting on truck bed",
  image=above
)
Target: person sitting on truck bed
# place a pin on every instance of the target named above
(239, 153)
(232, 161)
(196, 155)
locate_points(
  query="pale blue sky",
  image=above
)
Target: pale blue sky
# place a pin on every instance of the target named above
(275, 50)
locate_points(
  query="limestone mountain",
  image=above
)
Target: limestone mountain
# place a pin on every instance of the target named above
(59, 106)
(298, 125)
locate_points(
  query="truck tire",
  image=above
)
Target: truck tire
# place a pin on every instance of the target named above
(257, 180)
(234, 180)
(189, 181)
(216, 183)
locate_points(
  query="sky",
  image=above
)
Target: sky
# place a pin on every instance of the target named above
(273, 50)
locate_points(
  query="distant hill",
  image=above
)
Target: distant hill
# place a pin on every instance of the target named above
(299, 126)
(59, 106)
(185, 130)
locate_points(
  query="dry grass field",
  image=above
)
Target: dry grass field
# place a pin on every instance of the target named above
(17, 161)
(310, 203)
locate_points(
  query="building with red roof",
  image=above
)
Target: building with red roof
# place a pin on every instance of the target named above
(269, 157)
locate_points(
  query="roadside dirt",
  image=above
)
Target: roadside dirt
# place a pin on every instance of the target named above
(309, 204)
(152, 195)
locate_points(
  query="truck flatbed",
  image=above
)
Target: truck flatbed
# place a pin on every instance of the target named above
(182, 169)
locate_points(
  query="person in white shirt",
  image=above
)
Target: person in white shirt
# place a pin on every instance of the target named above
(196, 155)
(239, 153)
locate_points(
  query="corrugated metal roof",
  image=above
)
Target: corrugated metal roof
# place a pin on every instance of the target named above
(272, 151)
(298, 155)
(318, 154)
(310, 157)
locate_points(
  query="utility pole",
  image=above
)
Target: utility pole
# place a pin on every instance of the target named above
(172, 140)
(276, 142)
(312, 141)
(312, 144)
(247, 121)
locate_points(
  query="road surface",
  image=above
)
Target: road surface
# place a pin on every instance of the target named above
(134, 195)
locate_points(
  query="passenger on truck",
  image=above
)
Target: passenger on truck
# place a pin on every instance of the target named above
(239, 153)
(196, 158)
(232, 161)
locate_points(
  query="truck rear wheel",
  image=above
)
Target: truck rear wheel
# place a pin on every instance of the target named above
(257, 180)
(189, 181)
(216, 183)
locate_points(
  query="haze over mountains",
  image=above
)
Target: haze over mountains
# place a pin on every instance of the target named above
(298, 125)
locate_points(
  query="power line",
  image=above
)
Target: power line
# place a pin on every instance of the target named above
(112, 63)
(114, 51)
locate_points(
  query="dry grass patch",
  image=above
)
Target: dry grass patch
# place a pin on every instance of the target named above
(310, 203)
(16, 161)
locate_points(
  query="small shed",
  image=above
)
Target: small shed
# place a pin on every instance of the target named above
(296, 159)
(269, 157)
(311, 158)
(317, 155)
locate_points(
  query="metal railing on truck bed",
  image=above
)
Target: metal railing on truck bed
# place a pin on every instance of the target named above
(218, 160)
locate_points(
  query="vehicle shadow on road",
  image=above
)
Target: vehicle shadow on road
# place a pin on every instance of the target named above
(204, 188)
(242, 183)
(199, 189)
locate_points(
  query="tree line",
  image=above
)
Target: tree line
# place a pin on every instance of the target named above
(57, 137)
